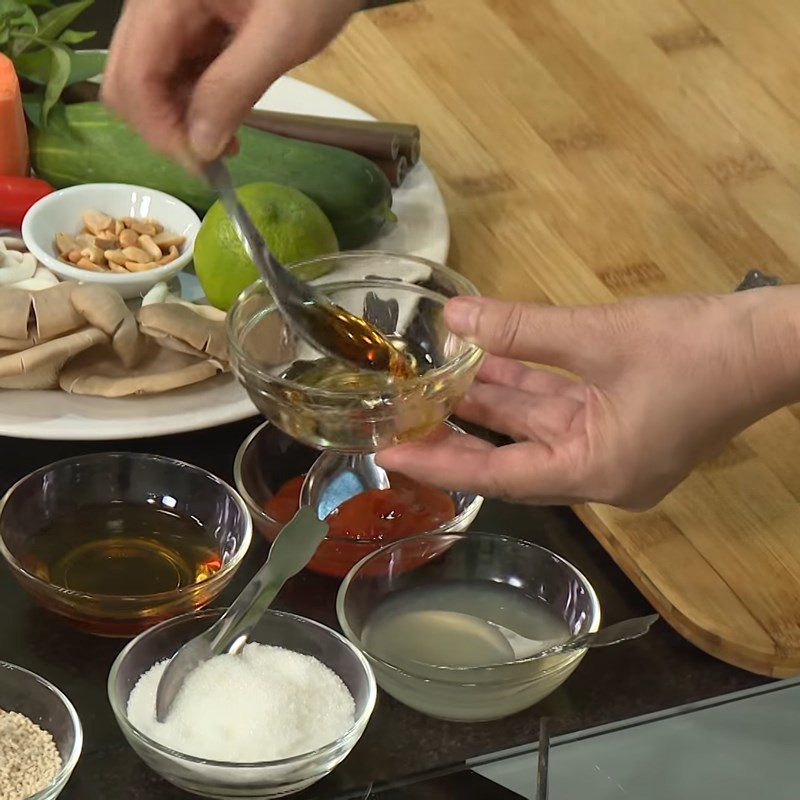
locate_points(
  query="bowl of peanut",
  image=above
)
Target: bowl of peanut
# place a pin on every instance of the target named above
(124, 236)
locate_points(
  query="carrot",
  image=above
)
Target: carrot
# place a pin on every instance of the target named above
(13, 135)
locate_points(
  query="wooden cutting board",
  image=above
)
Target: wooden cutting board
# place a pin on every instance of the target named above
(591, 150)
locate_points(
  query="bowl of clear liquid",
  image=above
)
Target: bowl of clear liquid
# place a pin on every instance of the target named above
(421, 608)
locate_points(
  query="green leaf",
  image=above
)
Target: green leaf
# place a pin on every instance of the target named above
(39, 3)
(32, 103)
(59, 75)
(75, 37)
(54, 22)
(85, 64)
(34, 66)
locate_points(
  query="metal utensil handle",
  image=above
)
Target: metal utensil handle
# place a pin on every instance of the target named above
(542, 777)
(611, 634)
(292, 549)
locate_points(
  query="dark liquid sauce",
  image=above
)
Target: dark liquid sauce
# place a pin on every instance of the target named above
(406, 508)
(358, 341)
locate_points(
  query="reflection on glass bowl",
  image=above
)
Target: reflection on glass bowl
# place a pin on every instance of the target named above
(326, 405)
(268, 457)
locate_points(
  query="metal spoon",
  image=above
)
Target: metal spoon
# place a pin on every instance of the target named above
(524, 647)
(290, 552)
(327, 327)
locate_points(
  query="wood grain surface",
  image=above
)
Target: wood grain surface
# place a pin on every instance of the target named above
(591, 150)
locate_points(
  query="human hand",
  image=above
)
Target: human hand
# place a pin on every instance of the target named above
(665, 383)
(184, 73)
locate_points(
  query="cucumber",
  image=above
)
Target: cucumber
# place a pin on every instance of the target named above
(85, 143)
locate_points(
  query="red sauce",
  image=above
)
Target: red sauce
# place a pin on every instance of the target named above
(382, 515)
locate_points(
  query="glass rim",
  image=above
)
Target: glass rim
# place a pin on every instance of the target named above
(438, 669)
(72, 594)
(69, 763)
(353, 733)
(463, 360)
(477, 499)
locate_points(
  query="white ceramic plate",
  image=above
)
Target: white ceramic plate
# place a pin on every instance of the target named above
(423, 230)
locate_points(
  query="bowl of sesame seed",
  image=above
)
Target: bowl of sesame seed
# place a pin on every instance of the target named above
(40, 736)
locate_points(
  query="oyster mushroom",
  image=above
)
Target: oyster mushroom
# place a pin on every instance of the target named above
(38, 366)
(160, 293)
(15, 313)
(15, 265)
(178, 326)
(53, 314)
(99, 372)
(104, 308)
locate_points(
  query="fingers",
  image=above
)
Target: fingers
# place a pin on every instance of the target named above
(558, 337)
(545, 418)
(274, 37)
(151, 54)
(529, 472)
(507, 372)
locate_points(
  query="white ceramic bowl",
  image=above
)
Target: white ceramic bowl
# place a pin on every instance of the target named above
(61, 211)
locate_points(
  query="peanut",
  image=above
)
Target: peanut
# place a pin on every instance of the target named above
(96, 221)
(138, 266)
(65, 243)
(170, 256)
(148, 245)
(166, 240)
(84, 263)
(136, 254)
(128, 238)
(115, 257)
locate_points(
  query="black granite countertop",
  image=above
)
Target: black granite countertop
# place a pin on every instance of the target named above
(657, 672)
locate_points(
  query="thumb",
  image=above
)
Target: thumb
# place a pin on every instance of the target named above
(557, 337)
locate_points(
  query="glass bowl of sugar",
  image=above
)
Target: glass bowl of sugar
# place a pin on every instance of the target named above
(267, 722)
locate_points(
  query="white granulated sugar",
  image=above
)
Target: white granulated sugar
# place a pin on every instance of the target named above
(263, 704)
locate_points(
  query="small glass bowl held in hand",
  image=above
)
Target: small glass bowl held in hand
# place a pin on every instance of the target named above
(319, 402)
(269, 457)
(25, 693)
(32, 508)
(524, 571)
(225, 779)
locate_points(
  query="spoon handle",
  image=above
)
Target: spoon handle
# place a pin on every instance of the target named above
(611, 634)
(292, 549)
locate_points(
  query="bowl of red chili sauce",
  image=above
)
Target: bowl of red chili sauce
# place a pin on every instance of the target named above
(269, 471)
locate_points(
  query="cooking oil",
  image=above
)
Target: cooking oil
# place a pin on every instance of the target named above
(123, 550)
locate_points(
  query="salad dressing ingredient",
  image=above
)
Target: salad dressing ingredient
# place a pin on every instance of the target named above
(122, 550)
(118, 245)
(263, 704)
(17, 194)
(406, 508)
(29, 758)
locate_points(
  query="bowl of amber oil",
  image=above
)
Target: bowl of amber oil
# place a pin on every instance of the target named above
(314, 402)
(116, 542)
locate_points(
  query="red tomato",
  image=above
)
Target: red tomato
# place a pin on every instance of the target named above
(17, 195)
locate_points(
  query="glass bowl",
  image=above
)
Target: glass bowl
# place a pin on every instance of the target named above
(268, 457)
(31, 506)
(224, 779)
(470, 694)
(42, 703)
(357, 411)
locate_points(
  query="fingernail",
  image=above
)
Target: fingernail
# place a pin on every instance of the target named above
(205, 140)
(461, 315)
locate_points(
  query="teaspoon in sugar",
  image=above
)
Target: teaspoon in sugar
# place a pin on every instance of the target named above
(292, 549)
(329, 328)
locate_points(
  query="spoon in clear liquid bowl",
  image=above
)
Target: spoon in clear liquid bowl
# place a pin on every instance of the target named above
(503, 640)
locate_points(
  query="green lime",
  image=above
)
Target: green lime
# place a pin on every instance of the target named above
(294, 227)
